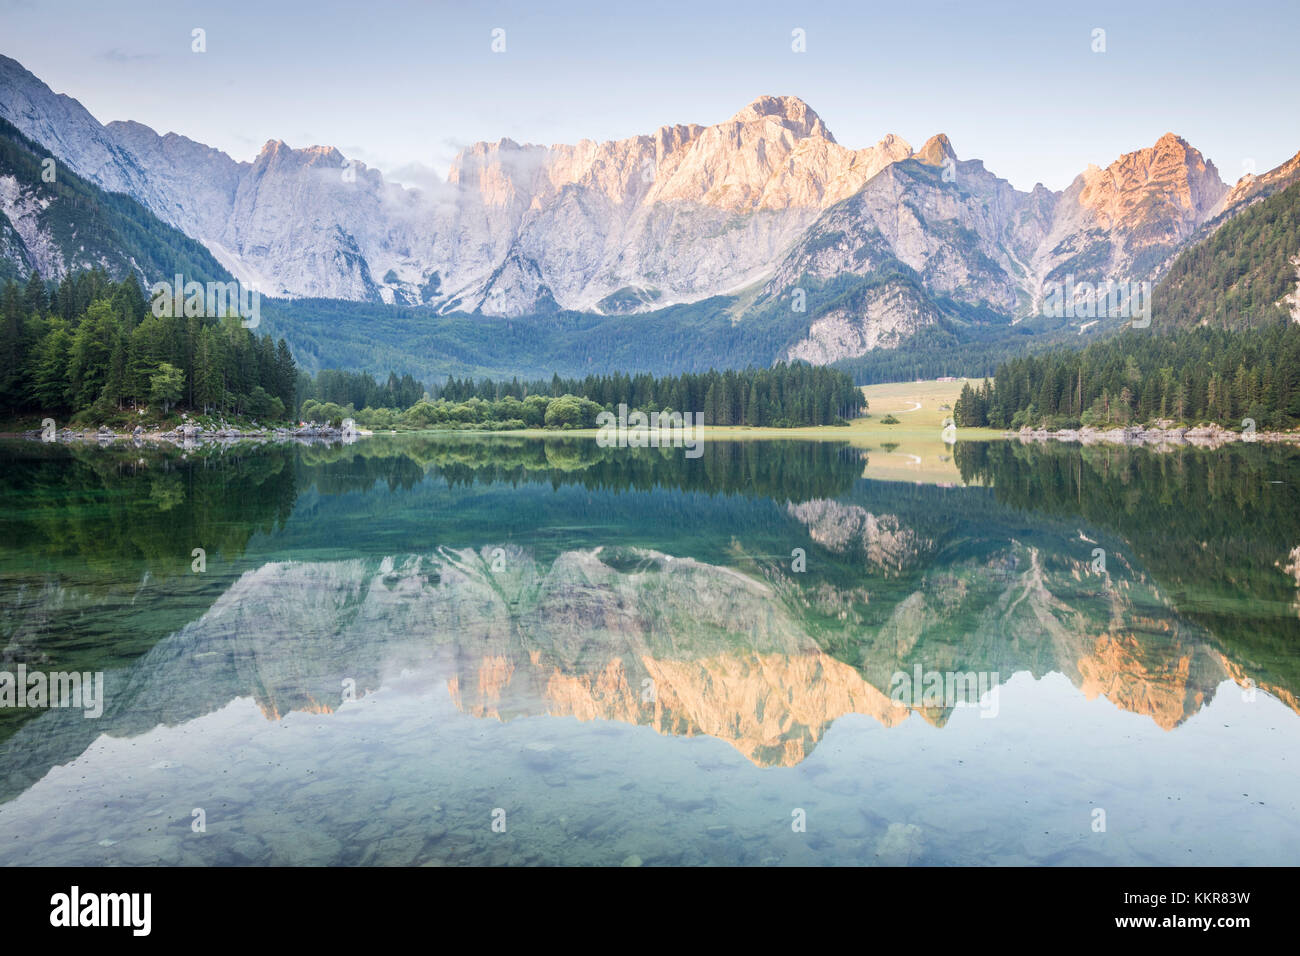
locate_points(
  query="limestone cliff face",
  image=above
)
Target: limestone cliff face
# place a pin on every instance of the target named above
(964, 232)
(683, 213)
(925, 227)
(880, 317)
(969, 236)
(197, 183)
(24, 239)
(1122, 193)
(686, 212)
(774, 154)
(1121, 222)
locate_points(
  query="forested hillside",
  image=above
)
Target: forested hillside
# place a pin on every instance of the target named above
(329, 333)
(79, 226)
(1241, 275)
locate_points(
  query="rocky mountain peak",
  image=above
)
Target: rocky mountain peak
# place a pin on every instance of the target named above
(790, 111)
(1187, 185)
(279, 155)
(1125, 219)
(936, 151)
(271, 148)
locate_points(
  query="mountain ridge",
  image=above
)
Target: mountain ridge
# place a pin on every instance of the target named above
(766, 208)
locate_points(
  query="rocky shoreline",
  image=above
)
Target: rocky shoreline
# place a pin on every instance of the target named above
(1155, 436)
(190, 435)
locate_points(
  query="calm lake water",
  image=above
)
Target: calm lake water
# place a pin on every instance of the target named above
(453, 650)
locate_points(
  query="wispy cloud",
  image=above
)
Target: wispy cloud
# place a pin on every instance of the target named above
(418, 176)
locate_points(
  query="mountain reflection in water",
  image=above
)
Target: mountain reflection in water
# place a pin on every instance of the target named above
(554, 579)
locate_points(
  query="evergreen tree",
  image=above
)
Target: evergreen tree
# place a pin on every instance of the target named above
(166, 385)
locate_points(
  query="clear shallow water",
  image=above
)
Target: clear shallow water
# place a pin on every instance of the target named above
(614, 649)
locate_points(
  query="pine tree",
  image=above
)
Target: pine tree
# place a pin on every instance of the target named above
(11, 334)
(207, 373)
(285, 381)
(35, 298)
(115, 386)
(50, 387)
(92, 350)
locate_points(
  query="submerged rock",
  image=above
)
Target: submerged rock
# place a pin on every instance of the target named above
(901, 845)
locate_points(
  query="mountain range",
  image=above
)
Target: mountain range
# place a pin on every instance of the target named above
(764, 215)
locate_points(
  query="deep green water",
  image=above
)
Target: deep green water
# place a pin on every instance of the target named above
(614, 653)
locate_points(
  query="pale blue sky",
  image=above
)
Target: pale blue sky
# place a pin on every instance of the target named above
(403, 83)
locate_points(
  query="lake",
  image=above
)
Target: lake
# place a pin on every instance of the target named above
(495, 650)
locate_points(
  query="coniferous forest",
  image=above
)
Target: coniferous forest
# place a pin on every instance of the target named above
(91, 347)
(783, 396)
(1188, 376)
(794, 394)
